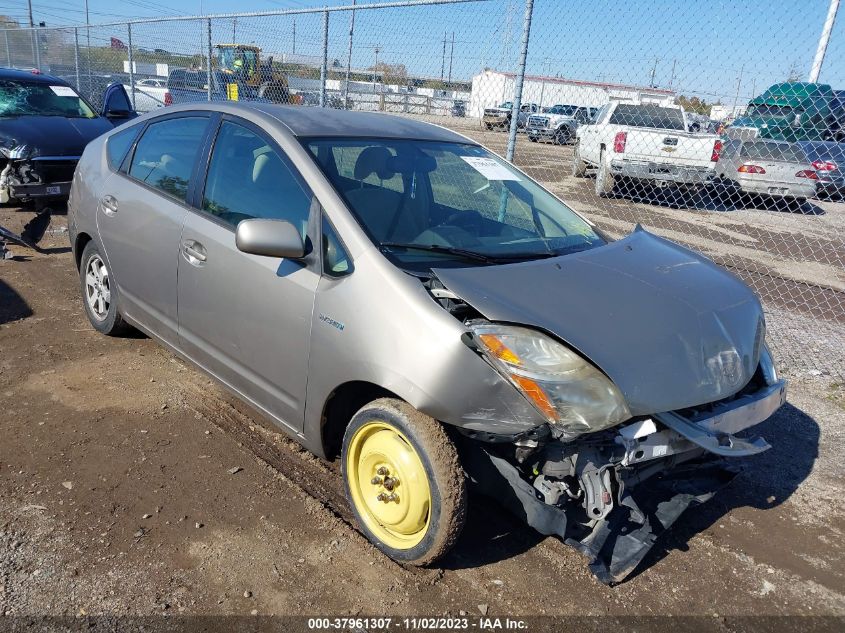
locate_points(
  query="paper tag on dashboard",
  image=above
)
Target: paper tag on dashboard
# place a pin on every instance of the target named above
(490, 169)
(63, 91)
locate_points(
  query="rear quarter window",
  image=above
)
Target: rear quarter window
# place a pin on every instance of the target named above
(118, 145)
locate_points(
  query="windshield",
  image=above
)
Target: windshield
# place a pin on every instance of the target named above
(425, 203)
(562, 109)
(24, 98)
(763, 109)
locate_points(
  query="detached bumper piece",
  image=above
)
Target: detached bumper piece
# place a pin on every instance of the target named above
(32, 233)
(620, 541)
(611, 494)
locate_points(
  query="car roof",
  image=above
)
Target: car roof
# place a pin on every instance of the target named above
(305, 121)
(29, 75)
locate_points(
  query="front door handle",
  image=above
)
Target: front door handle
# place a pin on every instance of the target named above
(109, 204)
(194, 250)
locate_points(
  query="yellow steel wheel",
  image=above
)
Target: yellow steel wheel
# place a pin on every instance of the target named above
(388, 484)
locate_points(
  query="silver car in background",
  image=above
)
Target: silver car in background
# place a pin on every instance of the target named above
(777, 169)
(828, 159)
(392, 293)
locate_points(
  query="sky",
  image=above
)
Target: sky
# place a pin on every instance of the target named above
(717, 49)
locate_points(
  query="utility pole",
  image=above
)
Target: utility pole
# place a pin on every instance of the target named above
(234, 30)
(738, 86)
(443, 59)
(672, 77)
(349, 58)
(294, 36)
(375, 66)
(451, 57)
(654, 72)
(823, 41)
(31, 23)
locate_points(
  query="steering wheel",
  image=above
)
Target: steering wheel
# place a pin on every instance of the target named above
(467, 220)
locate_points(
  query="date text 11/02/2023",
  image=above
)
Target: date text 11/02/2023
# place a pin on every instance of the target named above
(418, 623)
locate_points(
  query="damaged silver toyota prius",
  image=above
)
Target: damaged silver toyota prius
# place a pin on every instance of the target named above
(392, 293)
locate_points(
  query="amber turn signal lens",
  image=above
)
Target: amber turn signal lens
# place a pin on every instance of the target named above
(536, 394)
(499, 349)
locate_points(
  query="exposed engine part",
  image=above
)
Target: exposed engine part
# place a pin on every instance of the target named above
(4, 183)
(451, 302)
(552, 489)
(597, 482)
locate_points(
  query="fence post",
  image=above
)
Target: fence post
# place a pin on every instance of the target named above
(208, 70)
(36, 48)
(131, 65)
(520, 76)
(823, 41)
(324, 67)
(349, 58)
(76, 56)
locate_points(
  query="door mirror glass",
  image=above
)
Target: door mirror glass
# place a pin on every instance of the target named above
(116, 104)
(271, 238)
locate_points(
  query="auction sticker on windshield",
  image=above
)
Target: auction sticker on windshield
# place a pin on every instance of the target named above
(63, 91)
(489, 168)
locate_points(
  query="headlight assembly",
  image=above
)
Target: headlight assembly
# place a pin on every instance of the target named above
(571, 393)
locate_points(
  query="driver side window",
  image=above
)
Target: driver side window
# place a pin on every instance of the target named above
(247, 178)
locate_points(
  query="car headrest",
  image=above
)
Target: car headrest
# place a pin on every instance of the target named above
(404, 164)
(373, 160)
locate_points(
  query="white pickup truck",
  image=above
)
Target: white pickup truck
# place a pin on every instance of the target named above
(644, 142)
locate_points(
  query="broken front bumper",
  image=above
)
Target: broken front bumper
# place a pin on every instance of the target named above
(612, 494)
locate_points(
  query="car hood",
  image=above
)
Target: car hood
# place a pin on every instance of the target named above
(52, 135)
(668, 326)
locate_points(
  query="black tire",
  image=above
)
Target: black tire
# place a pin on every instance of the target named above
(563, 136)
(109, 322)
(489, 126)
(533, 138)
(579, 167)
(605, 182)
(439, 458)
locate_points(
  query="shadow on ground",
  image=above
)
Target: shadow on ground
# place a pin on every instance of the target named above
(12, 305)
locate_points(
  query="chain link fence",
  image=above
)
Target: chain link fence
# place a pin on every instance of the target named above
(584, 98)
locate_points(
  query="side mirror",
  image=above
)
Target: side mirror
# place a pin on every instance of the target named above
(271, 238)
(116, 104)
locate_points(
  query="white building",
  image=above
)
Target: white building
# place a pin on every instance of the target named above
(719, 112)
(491, 87)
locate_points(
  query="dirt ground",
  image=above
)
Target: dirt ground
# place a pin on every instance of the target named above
(131, 485)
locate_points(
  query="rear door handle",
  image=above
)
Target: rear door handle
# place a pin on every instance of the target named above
(109, 204)
(194, 251)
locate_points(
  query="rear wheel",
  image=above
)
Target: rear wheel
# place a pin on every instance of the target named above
(99, 293)
(605, 182)
(533, 138)
(403, 481)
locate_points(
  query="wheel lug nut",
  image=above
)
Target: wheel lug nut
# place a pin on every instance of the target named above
(392, 497)
(375, 481)
(381, 497)
(390, 482)
(383, 471)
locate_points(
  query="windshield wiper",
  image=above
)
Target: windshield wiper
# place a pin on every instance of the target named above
(435, 248)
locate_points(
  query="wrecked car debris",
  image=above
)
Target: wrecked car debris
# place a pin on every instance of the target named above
(44, 126)
(32, 233)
